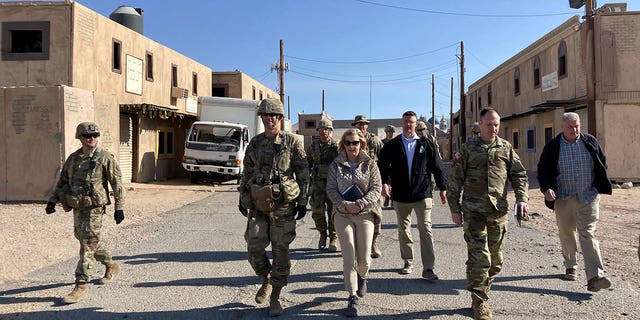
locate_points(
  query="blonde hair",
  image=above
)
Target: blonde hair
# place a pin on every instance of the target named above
(353, 132)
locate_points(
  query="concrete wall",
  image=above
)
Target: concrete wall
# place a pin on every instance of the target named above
(240, 85)
(38, 127)
(56, 69)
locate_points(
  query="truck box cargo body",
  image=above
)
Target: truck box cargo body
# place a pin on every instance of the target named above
(216, 144)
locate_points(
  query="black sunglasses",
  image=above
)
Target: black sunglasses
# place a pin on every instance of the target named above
(91, 135)
(351, 143)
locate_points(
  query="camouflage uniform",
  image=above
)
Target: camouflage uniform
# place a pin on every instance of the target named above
(269, 160)
(83, 188)
(482, 171)
(320, 155)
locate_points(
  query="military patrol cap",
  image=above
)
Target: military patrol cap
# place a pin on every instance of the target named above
(389, 128)
(360, 119)
(325, 123)
(421, 126)
(86, 128)
(271, 105)
(475, 128)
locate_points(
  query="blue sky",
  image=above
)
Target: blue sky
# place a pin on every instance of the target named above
(372, 57)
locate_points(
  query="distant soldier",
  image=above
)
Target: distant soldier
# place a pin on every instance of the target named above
(423, 132)
(273, 195)
(374, 145)
(475, 130)
(482, 170)
(389, 130)
(320, 155)
(83, 188)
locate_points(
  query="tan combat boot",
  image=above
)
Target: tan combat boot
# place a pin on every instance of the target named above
(333, 244)
(265, 290)
(78, 293)
(375, 250)
(481, 310)
(322, 244)
(275, 308)
(113, 269)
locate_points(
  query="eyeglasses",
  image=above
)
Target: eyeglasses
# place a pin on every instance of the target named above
(351, 143)
(91, 135)
(271, 115)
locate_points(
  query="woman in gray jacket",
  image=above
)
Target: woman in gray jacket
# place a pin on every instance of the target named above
(353, 185)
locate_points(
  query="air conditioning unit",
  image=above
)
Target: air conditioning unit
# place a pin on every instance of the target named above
(177, 92)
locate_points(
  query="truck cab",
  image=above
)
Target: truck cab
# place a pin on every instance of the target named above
(215, 147)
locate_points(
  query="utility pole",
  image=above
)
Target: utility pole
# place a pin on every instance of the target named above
(451, 123)
(463, 109)
(590, 67)
(433, 105)
(323, 101)
(281, 68)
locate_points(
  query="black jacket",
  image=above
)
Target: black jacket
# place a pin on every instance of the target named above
(548, 165)
(392, 163)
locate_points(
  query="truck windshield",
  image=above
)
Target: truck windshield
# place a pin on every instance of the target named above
(215, 134)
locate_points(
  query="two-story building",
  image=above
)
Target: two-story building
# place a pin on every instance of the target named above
(63, 64)
(535, 87)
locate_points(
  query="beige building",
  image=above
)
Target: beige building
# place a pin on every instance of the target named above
(534, 88)
(62, 64)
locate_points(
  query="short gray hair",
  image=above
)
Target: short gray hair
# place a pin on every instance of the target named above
(570, 116)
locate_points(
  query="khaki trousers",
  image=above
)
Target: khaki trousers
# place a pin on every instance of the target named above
(422, 209)
(572, 216)
(355, 233)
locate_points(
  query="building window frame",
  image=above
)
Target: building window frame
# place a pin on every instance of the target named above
(537, 80)
(548, 132)
(149, 66)
(116, 56)
(479, 96)
(515, 139)
(40, 45)
(194, 83)
(489, 97)
(531, 139)
(165, 143)
(174, 75)
(516, 81)
(562, 60)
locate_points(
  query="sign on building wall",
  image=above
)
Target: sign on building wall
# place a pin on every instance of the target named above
(134, 75)
(192, 105)
(549, 81)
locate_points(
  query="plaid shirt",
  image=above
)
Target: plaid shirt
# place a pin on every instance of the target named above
(575, 171)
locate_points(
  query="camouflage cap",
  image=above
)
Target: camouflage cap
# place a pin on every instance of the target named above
(389, 128)
(325, 123)
(360, 119)
(271, 105)
(87, 128)
(475, 128)
(421, 126)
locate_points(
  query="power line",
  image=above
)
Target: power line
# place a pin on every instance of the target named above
(372, 61)
(465, 14)
(422, 70)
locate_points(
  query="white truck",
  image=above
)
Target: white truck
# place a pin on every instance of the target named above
(217, 142)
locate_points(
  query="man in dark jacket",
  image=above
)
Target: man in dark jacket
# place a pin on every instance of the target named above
(572, 172)
(409, 161)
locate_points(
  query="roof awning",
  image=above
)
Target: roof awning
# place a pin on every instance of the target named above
(554, 104)
(152, 110)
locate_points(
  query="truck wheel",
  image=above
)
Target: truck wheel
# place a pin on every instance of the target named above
(194, 177)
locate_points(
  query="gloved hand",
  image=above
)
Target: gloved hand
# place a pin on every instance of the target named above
(243, 210)
(119, 216)
(51, 207)
(301, 210)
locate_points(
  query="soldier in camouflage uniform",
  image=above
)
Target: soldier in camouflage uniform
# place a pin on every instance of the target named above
(320, 154)
(482, 170)
(83, 188)
(423, 132)
(273, 194)
(374, 145)
(389, 130)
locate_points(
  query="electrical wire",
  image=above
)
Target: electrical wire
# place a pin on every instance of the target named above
(466, 14)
